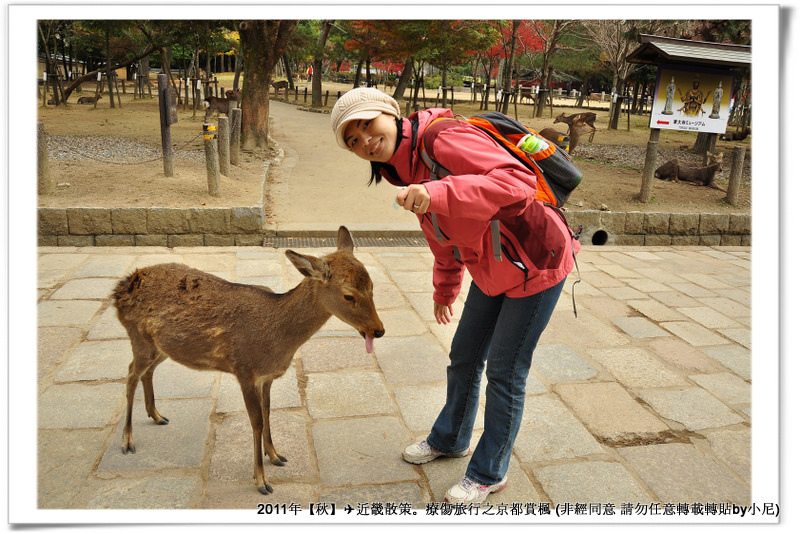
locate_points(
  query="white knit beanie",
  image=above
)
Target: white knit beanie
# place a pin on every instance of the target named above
(360, 103)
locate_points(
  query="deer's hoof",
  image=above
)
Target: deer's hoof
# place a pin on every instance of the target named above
(129, 448)
(163, 421)
(265, 489)
(280, 461)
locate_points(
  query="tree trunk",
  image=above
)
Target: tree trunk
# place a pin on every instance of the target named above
(238, 66)
(108, 67)
(289, 76)
(614, 108)
(357, 79)
(702, 143)
(402, 82)
(263, 41)
(316, 81)
(509, 68)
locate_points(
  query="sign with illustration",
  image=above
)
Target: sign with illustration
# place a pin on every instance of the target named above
(692, 100)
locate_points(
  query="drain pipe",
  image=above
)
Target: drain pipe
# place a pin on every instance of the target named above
(600, 238)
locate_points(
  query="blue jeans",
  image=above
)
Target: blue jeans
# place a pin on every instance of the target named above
(498, 333)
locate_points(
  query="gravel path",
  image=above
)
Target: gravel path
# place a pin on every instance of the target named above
(125, 151)
(116, 150)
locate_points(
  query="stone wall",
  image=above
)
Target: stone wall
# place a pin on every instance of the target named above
(170, 227)
(245, 226)
(640, 228)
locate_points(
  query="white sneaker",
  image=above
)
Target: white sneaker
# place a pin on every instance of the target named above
(469, 491)
(422, 453)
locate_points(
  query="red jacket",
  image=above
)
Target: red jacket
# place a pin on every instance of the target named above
(486, 183)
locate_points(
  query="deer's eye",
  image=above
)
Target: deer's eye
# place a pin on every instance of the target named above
(349, 298)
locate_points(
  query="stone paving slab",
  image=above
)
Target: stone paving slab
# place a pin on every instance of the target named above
(592, 482)
(362, 451)
(655, 371)
(549, 432)
(181, 443)
(636, 368)
(609, 411)
(678, 472)
(694, 408)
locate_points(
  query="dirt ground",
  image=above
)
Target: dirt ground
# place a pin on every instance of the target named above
(104, 157)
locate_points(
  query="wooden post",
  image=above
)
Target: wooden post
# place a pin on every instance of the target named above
(649, 166)
(212, 159)
(736, 175)
(236, 130)
(97, 90)
(116, 87)
(224, 145)
(164, 111)
(45, 181)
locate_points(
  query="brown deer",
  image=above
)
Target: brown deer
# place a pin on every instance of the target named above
(580, 121)
(735, 136)
(525, 93)
(233, 94)
(205, 322)
(578, 124)
(218, 104)
(280, 85)
(89, 99)
(703, 175)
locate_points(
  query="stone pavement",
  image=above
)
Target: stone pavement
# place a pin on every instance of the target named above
(644, 397)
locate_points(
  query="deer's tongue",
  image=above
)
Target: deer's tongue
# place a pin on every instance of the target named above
(370, 344)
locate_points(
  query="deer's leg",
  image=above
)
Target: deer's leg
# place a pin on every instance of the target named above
(144, 353)
(269, 448)
(127, 431)
(149, 397)
(252, 401)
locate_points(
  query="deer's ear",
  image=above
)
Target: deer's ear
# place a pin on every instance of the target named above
(310, 266)
(345, 240)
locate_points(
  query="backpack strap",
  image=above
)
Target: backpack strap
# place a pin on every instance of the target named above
(438, 172)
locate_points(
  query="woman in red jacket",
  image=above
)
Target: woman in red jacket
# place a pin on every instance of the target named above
(511, 298)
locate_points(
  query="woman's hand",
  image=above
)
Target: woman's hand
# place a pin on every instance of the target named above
(414, 198)
(442, 313)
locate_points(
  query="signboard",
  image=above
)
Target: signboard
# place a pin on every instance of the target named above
(692, 100)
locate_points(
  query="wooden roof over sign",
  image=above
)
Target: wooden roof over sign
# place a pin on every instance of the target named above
(656, 50)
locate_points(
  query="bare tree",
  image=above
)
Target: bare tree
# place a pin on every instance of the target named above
(616, 39)
(549, 32)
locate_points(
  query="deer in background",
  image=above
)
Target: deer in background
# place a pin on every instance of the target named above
(703, 175)
(735, 136)
(207, 323)
(578, 124)
(282, 85)
(89, 99)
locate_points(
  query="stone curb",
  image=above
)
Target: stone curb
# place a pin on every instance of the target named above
(247, 226)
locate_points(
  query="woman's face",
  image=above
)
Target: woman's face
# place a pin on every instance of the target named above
(372, 139)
